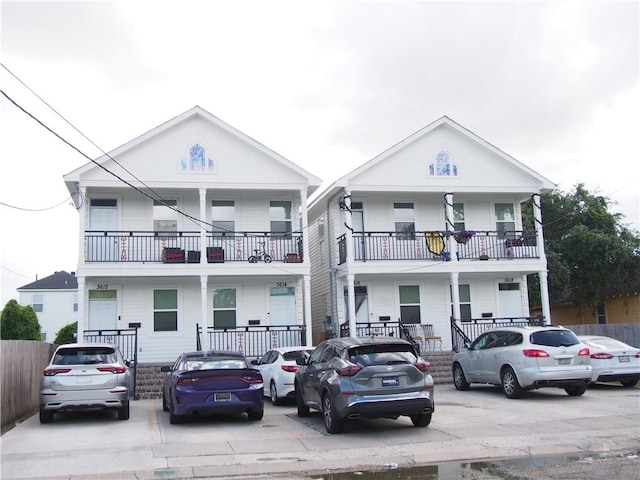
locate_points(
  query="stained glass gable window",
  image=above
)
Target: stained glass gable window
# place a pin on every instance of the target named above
(197, 161)
(443, 167)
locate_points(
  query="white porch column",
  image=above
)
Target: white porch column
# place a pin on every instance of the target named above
(203, 229)
(452, 244)
(83, 310)
(304, 226)
(455, 294)
(204, 314)
(83, 219)
(544, 297)
(307, 310)
(351, 304)
(537, 218)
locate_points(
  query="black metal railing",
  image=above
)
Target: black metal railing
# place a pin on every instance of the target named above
(466, 331)
(253, 341)
(185, 247)
(126, 339)
(383, 329)
(433, 245)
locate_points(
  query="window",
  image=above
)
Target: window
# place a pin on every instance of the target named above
(505, 220)
(443, 167)
(280, 216)
(165, 310)
(601, 314)
(224, 308)
(458, 217)
(223, 216)
(165, 218)
(410, 304)
(75, 302)
(464, 293)
(38, 303)
(404, 220)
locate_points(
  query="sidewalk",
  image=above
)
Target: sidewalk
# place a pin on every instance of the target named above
(480, 424)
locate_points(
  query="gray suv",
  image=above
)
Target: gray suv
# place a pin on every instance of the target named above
(353, 378)
(524, 358)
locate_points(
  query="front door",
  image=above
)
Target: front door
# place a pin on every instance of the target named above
(282, 306)
(510, 300)
(103, 309)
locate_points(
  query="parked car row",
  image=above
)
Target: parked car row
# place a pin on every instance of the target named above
(343, 378)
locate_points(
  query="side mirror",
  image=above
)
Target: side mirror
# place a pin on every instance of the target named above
(301, 361)
(127, 363)
(467, 345)
(165, 368)
(254, 362)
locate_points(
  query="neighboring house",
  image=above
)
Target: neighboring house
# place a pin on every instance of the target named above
(429, 230)
(169, 252)
(55, 301)
(618, 307)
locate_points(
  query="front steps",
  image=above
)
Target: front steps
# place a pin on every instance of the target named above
(440, 366)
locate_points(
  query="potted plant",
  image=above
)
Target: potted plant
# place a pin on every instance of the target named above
(463, 236)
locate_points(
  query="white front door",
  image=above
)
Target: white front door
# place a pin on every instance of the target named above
(103, 218)
(282, 306)
(103, 310)
(510, 300)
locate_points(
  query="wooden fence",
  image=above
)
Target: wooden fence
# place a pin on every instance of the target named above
(21, 365)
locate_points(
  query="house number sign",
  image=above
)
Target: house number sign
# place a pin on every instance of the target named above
(281, 284)
(102, 286)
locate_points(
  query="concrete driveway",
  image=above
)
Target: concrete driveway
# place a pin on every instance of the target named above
(480, 424)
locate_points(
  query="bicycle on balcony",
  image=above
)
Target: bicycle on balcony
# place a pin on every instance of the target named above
(260, 255)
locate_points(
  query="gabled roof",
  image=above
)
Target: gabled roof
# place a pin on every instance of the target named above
(58, 281)
(343, 181)
(73, 176)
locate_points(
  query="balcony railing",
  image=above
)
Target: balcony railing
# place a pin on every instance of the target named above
(185, 247)
(432, 246)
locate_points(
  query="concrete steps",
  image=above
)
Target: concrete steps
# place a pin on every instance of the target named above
(149, 381)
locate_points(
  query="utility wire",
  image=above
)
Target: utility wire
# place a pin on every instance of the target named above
(36, 209)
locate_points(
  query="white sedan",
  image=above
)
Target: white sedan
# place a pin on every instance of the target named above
(278, 367)
(613, 360)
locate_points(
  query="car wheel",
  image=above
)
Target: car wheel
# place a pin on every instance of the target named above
(421, 420)
(576, 391)
(303, 410)
(255, 415)
(629, 383)
(123, 412)
(332, 422)
(510, 385)
(46, 416)
(273, 392)
(173, 418)
(459, 380)
(165, 405)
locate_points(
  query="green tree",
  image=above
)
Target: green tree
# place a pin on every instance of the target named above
(590, 251)
(19, 322)
(67, 334)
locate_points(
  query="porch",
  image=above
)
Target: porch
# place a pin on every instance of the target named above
(432, 245)
(187, 247)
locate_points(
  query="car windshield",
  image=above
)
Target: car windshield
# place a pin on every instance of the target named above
(216, 362)
(296, 354)
(554, 338)
(368, 355)
(84, 356)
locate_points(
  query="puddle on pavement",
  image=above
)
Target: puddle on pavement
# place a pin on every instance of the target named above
(495, 470)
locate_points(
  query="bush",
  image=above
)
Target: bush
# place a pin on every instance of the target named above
(67, 334)
(19, 322)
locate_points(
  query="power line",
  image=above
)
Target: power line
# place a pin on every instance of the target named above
(36, 209)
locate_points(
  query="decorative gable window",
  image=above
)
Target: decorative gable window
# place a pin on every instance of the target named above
(443, 166)
(197, 160)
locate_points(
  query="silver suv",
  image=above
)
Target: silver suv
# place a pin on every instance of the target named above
(352, 378)
(81, 376)
(524, 358)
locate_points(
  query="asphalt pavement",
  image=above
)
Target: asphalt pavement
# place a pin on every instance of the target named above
(468, 428)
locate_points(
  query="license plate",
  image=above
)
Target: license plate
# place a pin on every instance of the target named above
(390, 382)
(222, 397)
(564, 361)
(623, 358)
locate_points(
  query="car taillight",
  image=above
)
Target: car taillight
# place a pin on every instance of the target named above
(188, 381)
(423, 365)
(116, 369)
(50, 372)
(601, 356)
(584, 352)
(289, 368)
(637, 354)
(349, 370)
(534, 352)
(252, 379)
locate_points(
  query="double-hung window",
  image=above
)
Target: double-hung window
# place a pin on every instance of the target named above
(280, 217)
(38, 303)
(458, 217)
(505, 220)
(165, 217)
(409, 303)
(404, 219)
(223, 217)
(224, 308)
(165, 310)
(464, 294)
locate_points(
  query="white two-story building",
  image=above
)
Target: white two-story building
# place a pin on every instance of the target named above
(195, 235)
(426, 232)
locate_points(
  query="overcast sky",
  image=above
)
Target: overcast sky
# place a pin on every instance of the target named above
(328, 85)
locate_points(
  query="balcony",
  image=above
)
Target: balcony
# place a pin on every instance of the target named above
(185, 247)
(432, 246)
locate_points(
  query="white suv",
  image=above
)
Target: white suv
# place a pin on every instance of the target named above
(524, 358)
